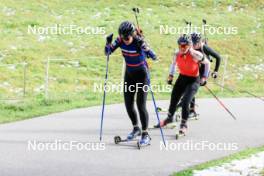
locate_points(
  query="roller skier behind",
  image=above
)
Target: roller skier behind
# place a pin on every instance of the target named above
(188, 82)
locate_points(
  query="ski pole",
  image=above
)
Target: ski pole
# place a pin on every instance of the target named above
(189, 25)
(204, 33)
(103, 106)
(245, 91)
(227, 88)
(220, 102)
(136, 10)
(155, 107)
(242, 91)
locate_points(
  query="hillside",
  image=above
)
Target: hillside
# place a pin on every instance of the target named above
(77, 60)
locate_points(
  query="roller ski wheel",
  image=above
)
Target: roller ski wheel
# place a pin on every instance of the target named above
(118, 139)
(138, 145)
(130, 137)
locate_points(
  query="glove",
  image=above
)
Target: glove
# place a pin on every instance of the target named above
(149, 64)
(109, 39)
(214, 74)
(155, 58)
(203, 81)
(170, 79)
(139, 32)
(107, 50)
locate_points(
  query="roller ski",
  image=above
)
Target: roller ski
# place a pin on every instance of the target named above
(144, 141)
(192, 116)
(160, 109)
(163, 110)
(168, 126)
(182, 132)
(130, 137)
(167, 123)
(118, 140)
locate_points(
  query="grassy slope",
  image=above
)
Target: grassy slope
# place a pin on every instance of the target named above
(71, 86)
(238, 156)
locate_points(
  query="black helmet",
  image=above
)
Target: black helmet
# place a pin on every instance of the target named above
(196, 38)
(184, 40)
(126, 29)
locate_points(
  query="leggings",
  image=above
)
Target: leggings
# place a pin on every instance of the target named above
(201, 71)
(192, 104)
(136, 84)
(185, 87)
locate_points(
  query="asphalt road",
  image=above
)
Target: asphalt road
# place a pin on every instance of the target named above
(215, 131)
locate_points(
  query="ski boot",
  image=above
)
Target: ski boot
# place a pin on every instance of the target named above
(144, 141)
(136, 132)
(193, 115)
(182, 131)
(164, 122)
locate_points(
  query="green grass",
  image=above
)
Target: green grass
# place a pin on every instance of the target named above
(75, 83)
(262, 173)
(237, 156)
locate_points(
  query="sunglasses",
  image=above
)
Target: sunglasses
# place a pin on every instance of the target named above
(195, 43)
(184, 46)
(126, 38)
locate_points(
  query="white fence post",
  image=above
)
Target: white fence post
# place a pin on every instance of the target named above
(224, 73)
(24, 78)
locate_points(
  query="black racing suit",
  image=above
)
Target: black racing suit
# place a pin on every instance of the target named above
(207, 51)
(136, 77)
(137, 82)
(185, 88)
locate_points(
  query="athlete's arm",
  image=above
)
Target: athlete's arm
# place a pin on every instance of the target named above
(111, 47)
(149, 52)
(172, 68)
(173, 64)
(209, 51)
(207, 64)
(200, 58)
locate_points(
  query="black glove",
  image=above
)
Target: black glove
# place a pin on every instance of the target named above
(107, 50)
(214, 75)
(203, 82)
(170, 79)
(109, 39)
